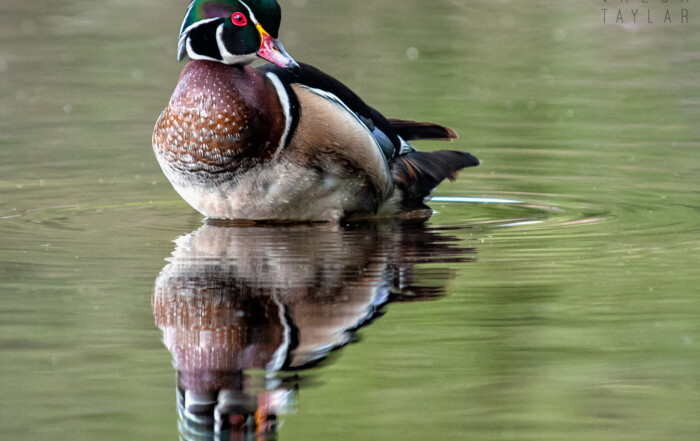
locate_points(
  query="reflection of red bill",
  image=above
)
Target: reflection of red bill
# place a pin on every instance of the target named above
(273, 51)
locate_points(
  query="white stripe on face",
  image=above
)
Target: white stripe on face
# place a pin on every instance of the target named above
(250, 12)
(226, 56)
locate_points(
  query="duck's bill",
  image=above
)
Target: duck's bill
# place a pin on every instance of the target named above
(273, 51)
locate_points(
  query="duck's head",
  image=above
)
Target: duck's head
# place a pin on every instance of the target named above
(233, 32)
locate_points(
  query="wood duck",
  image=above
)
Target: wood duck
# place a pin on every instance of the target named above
(283, 141)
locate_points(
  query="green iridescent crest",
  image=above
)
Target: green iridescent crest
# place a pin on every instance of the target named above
(267, 12)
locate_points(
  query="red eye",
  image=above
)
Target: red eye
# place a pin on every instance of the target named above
(239, 19)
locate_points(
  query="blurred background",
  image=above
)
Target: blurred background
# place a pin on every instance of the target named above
(575, 316)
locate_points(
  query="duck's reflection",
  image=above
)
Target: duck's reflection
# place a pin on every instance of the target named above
(238, 307)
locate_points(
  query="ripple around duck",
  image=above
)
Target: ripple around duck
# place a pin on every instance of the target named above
(548, 214)
(116, 218)
(527, 211)
(70, 238)
(558, 215)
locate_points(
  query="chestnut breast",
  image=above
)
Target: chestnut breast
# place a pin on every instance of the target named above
(220, 119)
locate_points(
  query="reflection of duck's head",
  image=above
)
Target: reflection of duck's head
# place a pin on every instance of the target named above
(236, 300)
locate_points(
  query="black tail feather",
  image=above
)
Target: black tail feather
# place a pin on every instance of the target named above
(416, 174)
(414, 130)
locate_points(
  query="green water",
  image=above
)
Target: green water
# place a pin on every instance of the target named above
(571, 312)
